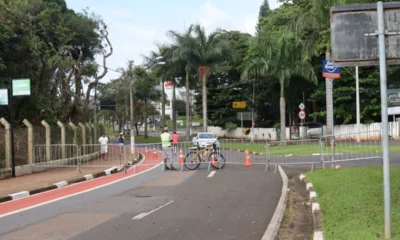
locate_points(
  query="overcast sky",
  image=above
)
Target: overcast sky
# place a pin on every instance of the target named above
(135, 26)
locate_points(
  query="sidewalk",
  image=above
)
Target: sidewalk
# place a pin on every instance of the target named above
(44, 179)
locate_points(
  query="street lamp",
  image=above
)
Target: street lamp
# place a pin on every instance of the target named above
(252, 109)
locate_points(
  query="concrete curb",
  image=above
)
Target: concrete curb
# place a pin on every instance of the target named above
(316, 210)
(273, 227)
(61, 184)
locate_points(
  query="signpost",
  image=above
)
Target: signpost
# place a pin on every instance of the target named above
(358, 38)
(16, 87)
(301, 106)
(238, 104)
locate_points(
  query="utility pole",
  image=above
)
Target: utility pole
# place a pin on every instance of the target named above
(358, 105)
(132, 125)
(252, 114)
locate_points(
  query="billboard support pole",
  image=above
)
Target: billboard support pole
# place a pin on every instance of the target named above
(384, 113)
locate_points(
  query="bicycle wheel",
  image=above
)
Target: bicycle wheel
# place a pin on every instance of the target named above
(192, 161)
(218, 158)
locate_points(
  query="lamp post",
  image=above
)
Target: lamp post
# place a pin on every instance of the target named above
(252, 109)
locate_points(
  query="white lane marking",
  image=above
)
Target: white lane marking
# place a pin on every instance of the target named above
(65, 197)
(211, 174)
(142, 215)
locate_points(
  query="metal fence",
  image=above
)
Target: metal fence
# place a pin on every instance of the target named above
(56, 155)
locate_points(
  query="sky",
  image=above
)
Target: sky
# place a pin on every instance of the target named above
(136, 26)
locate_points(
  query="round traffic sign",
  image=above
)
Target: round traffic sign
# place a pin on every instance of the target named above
(302, 114)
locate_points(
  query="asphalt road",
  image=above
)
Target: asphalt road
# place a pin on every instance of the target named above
(233, 203)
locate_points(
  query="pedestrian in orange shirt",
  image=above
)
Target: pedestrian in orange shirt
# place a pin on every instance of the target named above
(175, 140)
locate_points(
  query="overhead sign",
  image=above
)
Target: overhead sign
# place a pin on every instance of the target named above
(239, 104)
(301, 106)
(21, 87)
(302, 114)
(329, 70)
(3, 96)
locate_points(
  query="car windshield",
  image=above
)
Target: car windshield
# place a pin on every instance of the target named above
(206, 135)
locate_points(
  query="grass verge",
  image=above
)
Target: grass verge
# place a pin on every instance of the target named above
(351, 201)
(306, 149)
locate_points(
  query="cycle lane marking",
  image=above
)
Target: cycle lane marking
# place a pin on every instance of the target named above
(142, 215)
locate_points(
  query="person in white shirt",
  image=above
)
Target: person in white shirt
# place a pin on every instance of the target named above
(103, 140)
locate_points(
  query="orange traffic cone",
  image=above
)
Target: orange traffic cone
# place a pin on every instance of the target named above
(147, 152)
(155, 156)
(213, 162)
(247, 161)
(181, 158)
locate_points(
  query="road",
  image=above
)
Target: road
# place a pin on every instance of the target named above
(233, 203)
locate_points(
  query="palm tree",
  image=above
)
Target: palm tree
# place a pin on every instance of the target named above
(184, 43)
(280, 59)
(207, 53)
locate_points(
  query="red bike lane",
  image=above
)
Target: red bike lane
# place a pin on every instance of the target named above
(36, 200)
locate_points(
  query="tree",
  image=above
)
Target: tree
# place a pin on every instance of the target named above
(180, 107)
(264, 11)
(146, 83)
(280, 59)
(184, 43)
(206, 54)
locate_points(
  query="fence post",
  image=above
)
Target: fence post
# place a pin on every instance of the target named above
(62, 127)
(74, 128)
(7, 139)
(48, 140)
(30, 140)
(83, 137)
(95, 131)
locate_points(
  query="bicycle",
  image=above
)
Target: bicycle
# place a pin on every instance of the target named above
(195, 157)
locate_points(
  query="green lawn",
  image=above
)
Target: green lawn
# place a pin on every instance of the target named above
(305, 149)
(351, 201)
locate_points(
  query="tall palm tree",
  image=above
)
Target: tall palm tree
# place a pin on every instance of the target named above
(280, 59)
(184, 43)
(207, 53)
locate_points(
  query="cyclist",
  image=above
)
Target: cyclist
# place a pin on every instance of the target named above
(121, 143)
(166, 147)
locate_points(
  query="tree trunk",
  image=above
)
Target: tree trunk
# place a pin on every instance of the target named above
(283, 113)
(314, 110)
(145, 118)
(205, 102)
(162, 105)
(173, 103)
(188, 122)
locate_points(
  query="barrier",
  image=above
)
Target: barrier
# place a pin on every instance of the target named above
(56, 155)
(345, 148)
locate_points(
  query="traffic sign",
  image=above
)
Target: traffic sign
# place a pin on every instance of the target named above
(329, 70)
(239, 104)
(302, 114)
(3, 97)
(301, 106)
(21, 87)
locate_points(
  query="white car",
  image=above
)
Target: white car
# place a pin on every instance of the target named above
(205, 139)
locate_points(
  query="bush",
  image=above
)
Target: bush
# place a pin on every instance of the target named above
(230, 126)
(277, 125)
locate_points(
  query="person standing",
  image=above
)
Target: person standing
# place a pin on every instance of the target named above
(103, 140)
(166, 147)
(175, 140)
(121, 143)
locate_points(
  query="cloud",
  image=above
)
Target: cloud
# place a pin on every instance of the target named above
(213, 17)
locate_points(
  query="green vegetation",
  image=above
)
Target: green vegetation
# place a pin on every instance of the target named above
(149, 139)
(351, 201)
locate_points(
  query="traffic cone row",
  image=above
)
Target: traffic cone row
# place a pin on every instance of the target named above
(247, 161)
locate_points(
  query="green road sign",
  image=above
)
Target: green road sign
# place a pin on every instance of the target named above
(21, 87)
(4, 96)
